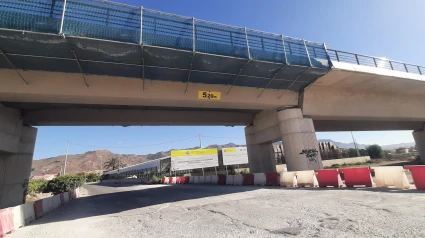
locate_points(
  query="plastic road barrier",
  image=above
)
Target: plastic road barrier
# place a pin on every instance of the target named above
(288, 179)
(260, 179)
(166, 180)
(186, 179)
(6, 221)
(391, 176)
(222, 180)
(201, 179)
(272, 179)
(214, 179)
(248, 179)
(418, 174)
(329, 177)
(162, 180)
(306, 178)
(192, 179)
(207, 180)
(238, 179)
(357, 176)
(230, 179)
(172, 180)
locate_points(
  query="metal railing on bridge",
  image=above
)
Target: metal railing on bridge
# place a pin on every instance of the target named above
(123, 23)
(352, 58)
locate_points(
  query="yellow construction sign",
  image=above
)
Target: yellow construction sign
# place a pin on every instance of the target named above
(209, 95)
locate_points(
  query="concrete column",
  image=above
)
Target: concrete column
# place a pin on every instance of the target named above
(260, 155)
(419, 136)
(298, 134)
(16, 151)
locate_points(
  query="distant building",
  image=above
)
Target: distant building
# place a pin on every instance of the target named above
(402, 150)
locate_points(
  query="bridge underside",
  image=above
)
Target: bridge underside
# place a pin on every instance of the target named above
(54, 53)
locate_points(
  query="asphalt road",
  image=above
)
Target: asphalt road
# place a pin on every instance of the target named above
(232, 211)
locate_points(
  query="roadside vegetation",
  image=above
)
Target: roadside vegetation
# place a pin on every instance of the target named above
(60, 184)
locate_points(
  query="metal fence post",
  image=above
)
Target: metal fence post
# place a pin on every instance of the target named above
(357, 59)
(63, 17)
(419, 69)
(284, 50)
(405, 67)
(374, 60)
(247, 44)
(141, 25)
(336, 54)
(392, 68)
(308, 55)
(193, 35)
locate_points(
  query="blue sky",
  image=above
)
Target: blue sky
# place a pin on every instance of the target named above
(391, 29)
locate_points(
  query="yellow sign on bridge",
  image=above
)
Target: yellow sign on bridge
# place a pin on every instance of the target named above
(209, 95)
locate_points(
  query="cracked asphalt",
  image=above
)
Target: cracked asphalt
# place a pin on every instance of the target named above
(233, 211)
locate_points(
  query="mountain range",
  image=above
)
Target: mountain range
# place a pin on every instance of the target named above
(363, 146)
(92, 161)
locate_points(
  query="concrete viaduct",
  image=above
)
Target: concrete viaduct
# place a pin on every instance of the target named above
(77, 62)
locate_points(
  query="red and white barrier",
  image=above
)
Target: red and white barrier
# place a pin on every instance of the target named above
(6, 221)
(166, 180)
(418, 175)
(288, 179)
(230, 179)
(306, 178)
(329, 177)
(13, 218)
(248, 179)
(357, 176)
(172, 180)
(260, 179)
(391, 176)
(238, 179)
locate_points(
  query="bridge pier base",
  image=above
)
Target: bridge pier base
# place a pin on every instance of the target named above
(296, 133)
(419, 137)
(16, 152)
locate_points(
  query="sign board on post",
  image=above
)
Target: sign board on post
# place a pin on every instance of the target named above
(236, 155)
(193, 159)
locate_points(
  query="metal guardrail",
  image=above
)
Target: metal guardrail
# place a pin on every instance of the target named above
(352, 58)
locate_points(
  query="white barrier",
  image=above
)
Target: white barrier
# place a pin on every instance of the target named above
(214, 179)
(391, 176)
(48, 205)
(260, 179)
(207, 179)
(238, 179)
(288, 179)
(196, 179)
(192, 179)
(307, 177)
(23, 215)
(166, 180)
(229, 179)
(201, 179)
(66, 197)
(173, 180)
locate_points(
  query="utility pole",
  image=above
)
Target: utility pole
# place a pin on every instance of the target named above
(101, 164)
(66, 158)
(355, 145)
(200, 141)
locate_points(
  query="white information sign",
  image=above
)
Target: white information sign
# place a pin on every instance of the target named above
(236, 155)
(193, 159)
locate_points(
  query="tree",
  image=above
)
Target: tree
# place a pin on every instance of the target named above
(375, 151)
(113, 163)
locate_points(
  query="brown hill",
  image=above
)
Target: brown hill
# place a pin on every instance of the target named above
(91, 160)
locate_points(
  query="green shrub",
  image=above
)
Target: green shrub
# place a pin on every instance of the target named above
(92, 177)
(155, 179)
(245, 171)
(64, 183)
(36, 186)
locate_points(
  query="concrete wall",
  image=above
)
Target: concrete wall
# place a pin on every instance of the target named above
(327, 163)
(352, 160)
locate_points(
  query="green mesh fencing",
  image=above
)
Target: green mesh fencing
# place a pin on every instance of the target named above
(31, 15)
(265, 46)
(220, 39)
(167, 30)
(103, 20)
